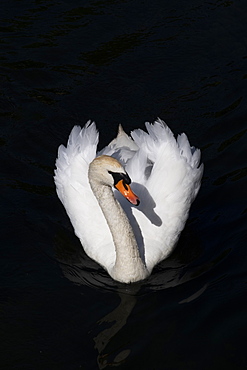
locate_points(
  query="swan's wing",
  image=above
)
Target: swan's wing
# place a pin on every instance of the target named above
(168, 172)
(74, 191)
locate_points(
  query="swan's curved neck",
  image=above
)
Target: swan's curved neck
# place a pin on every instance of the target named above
(129, 266)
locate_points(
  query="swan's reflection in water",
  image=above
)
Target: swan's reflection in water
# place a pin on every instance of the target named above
(110, 347)
(81, 270)
(109, 334)
(117, 320)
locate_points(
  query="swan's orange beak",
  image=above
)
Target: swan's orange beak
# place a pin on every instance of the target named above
(126, 191)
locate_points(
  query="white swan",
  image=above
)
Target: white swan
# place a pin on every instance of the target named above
(128, 241)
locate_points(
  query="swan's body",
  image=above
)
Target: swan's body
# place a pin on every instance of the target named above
(165, 174)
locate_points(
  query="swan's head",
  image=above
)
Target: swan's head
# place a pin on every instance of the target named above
(107, 171)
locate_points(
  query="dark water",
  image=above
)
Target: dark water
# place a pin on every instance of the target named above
(62, 63)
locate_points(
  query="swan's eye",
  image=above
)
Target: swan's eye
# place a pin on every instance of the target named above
(125, 186)
(117, 176)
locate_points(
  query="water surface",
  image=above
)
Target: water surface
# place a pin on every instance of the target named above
(62, 63)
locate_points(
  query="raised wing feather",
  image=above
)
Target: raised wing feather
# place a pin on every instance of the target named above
(74, 191)
(168, 172)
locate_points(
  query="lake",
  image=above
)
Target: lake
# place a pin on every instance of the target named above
(119, 61)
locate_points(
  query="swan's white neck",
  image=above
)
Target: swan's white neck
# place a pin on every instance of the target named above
(129, 266)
